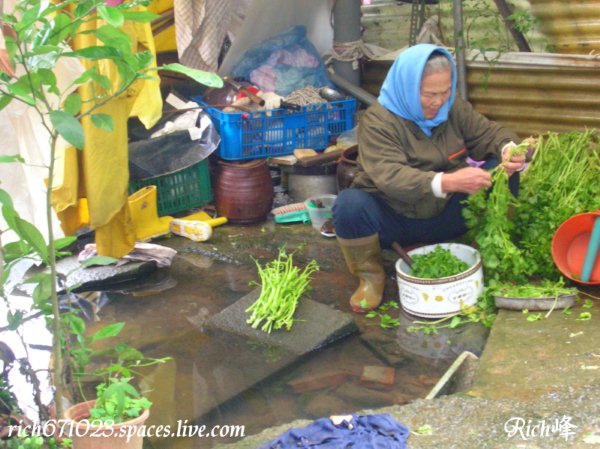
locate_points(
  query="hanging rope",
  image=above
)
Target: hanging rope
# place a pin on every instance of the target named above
(349, 52)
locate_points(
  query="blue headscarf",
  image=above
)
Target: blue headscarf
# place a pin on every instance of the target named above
(401, 89)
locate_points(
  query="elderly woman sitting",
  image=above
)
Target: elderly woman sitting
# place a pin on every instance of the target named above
(413, 171)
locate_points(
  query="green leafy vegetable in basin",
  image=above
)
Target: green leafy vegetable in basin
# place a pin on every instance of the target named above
(544, 290)
(436, 264)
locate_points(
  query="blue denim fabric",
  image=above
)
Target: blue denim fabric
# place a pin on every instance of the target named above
(362, 432)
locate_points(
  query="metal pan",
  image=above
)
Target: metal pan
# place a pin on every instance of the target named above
(563, 301)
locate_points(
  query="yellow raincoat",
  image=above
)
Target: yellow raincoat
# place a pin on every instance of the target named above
(164, 36)
(100, 173)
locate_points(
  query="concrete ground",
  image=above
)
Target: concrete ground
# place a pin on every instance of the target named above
(537, 384)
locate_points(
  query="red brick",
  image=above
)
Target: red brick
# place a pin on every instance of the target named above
(318, 381)
(380, 377)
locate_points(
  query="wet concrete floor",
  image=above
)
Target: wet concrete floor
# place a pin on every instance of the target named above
(228, 380)
(537, 387)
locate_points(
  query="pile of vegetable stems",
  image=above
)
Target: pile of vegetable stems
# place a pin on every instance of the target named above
(282, 284)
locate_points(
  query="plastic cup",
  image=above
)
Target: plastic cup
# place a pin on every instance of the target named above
(320, 209)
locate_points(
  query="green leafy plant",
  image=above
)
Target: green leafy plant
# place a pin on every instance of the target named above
(483, 312)
(485, 33)
(385, 320)
(487, 216)
(118, 401)
(531, 317)
(514, 235)
(39, 37)
(559, 183)
(120, 361)
(562, 181)
(437, 264)
(584, 316)
(545, 289)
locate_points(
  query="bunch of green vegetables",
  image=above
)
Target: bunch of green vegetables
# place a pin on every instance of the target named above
(282, 284)
(546, 289)
(436, 264)
(486, 216)
(562, 180)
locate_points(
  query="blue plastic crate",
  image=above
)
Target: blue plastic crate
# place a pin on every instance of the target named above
(277, 132)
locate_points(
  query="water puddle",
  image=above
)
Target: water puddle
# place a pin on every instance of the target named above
(226, 381)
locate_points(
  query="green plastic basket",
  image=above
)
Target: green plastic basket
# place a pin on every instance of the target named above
(180, 191)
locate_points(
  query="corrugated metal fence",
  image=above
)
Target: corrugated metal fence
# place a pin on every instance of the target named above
(534, 93)
(571, 26)
(531, 93)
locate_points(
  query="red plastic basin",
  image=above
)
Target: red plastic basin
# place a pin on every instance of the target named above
(570, 244)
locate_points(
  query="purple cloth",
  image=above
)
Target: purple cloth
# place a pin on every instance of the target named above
(362, 432)
(474, 163)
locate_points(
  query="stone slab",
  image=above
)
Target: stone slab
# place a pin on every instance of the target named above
(525, 358)
(317, 325)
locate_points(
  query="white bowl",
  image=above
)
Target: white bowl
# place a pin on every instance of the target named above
(439, 298)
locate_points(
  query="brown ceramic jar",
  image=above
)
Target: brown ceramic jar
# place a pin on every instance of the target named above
(244, 191)
(347, 168)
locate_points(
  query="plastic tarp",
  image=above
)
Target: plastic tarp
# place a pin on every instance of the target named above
(172, 152)
(265, 18)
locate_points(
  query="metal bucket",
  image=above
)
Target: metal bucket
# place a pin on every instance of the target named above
(438, 298)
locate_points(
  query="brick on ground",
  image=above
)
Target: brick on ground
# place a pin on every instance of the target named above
(378, 377)
(319, 381)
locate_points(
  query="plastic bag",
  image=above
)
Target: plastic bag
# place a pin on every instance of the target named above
(170, 153)
(284, 63)
(348, 138)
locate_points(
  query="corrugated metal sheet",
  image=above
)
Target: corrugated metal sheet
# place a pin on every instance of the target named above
(531, 93)
(571, 26)
(534, 93)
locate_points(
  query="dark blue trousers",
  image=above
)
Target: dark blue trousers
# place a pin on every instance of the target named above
(357, 213)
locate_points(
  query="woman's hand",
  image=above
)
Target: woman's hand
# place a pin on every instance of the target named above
(511, 163)
(467, 180)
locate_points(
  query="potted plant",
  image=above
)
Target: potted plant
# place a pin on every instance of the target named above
(38, 36)
(113, 420)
